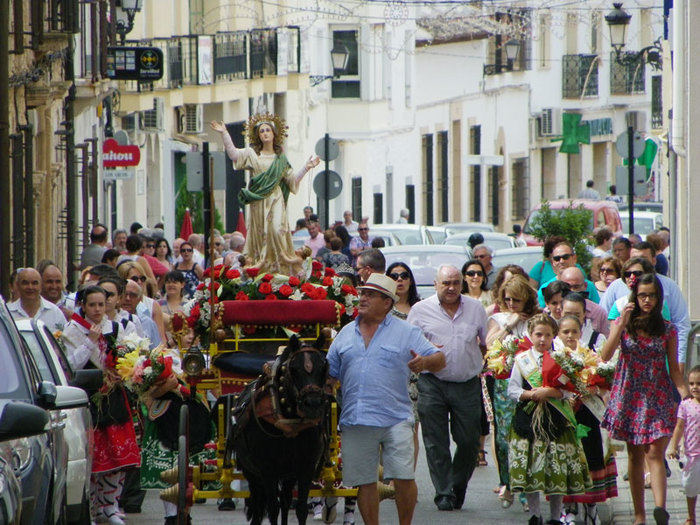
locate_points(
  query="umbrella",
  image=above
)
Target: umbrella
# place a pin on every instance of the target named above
(186, 228)
(241, 224)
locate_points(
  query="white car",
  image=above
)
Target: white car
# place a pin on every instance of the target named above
(644, 222)
(53, 366)
(494, 240)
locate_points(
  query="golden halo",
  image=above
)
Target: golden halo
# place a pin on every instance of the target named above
(279, 126)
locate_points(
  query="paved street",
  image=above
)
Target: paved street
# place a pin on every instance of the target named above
(481, 505)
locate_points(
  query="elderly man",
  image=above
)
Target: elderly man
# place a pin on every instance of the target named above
(372, 358)
(176, 248)
(563, 256)
(362, 242)
(403, 216)
(31, 305)
(132, 297)
(52, 287)
(350, 225)
(237, 243)
(92, 253)
(315, 240)
(484, 254)
(450, 400)
(621, 249)
(673, 299)
(119, 240)
(198, 245)
(369, 262)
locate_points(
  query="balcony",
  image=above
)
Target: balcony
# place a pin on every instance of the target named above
(628, 78)
(223, 57)
(579, 76)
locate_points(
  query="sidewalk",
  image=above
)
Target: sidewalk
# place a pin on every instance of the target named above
(619, 511)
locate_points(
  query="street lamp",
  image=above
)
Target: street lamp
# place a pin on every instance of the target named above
(126, 11)
(339, 59)
(618, 19)
(512, 48)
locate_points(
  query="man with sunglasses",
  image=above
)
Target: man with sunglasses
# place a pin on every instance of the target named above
(449, 400)
(31, 305)
(562, 257)
(360, 243)
(673, 299)
(575, 281)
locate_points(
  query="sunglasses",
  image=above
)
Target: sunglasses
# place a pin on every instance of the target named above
(636, 273)
(150, 246)
(185, 250)
(403, 275)
(472, 273)
(363, 229)
(565, 257)
(137, 278)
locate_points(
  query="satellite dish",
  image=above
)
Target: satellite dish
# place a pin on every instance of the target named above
(122, 137)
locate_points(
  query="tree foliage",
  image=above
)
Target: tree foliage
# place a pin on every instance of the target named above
(194, 201)
(574, 223)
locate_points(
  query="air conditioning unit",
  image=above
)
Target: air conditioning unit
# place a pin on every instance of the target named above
(550, 122)
(129, 122)
(191, 119)
(152, 119)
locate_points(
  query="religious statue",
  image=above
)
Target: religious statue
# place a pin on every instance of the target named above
(269, 242)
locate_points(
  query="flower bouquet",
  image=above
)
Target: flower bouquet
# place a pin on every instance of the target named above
(500, 356)
(602, 375)
(140, 370)
(563, 367)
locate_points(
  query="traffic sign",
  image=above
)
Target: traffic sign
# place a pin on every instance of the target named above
(335, 184)
(622, 145)
(333, 149)
(195, 179)
(640, 180)
(118, 174)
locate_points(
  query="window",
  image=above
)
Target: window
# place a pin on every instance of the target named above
(356, 197)
(475, 194)
(348, 85)
(442, 182)
(411, 203)
(657, 106)
(520, 196)
(428, 178)
(627, 78)
(493, 195)
(378, 209)
(579, 76)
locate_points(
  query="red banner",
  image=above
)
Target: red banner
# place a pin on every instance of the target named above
(116, 156)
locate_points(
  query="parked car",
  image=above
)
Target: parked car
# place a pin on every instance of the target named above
(461, 227)
(524, 256)
(53, 366)
(603, 213)
(658, 207)
(644, 222)
(36, 459)
(18, 421)
(494, 240)
(424, 261)
(403, 233)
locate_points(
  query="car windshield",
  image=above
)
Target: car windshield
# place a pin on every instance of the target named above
(424, 265)
(12, 385)
(526, 260)
(403, 236)
(38, 354)
(642, 225)
(496, 243)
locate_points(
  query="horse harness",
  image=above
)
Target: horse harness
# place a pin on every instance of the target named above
(272, 395)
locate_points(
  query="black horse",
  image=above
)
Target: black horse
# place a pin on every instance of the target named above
(279, 436)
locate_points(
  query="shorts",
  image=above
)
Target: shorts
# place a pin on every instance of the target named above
(690, 477)
(360, 451)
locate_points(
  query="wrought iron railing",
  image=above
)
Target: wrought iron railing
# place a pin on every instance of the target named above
(627, 77)
(579, 76)
(657, 105)
(230, 56)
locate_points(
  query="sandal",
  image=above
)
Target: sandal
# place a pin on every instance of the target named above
(506, 497)
(647, 480)
(482, 459)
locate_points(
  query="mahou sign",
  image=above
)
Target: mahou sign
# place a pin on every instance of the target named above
(116, 156)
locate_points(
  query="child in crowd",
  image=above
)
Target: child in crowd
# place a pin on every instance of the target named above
(544, 454)
(643, 400)
(688, 426)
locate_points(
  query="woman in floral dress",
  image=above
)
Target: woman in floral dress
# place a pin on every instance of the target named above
(643, 403)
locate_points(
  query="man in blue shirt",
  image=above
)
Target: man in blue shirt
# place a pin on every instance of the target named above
(563, 257)
(372, 357)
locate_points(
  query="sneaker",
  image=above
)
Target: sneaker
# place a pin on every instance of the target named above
(535, 520)
(318, 512)
(349, 518)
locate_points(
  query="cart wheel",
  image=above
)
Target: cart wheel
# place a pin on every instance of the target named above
(184, 427)
(182, 480)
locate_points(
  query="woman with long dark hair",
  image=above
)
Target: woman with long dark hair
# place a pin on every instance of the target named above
(643, 403)
(474, 282)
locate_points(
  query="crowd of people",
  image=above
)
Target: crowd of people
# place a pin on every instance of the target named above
(407, 359)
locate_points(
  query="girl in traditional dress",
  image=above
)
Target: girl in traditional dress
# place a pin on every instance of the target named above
(544, 454)
(643, 400)
(269, 242)
(91, 342)
(589, 411)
